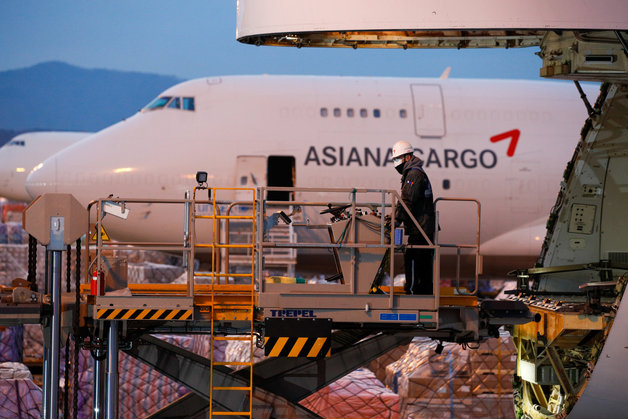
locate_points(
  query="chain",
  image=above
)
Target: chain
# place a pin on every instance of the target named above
(76, 326)
(32, 262)
(68, 269)
(66, 376)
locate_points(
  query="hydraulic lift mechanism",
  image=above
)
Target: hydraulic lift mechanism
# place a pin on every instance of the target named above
(313, 333)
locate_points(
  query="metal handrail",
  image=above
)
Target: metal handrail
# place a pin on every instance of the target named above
(354, 204)
(475, 246)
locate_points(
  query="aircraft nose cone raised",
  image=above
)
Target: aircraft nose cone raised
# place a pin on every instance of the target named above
(42, 179)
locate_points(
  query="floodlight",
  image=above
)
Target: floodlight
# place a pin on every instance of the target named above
(201, 177)
(116, 209)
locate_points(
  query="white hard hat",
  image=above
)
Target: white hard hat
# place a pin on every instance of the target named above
(399, 149)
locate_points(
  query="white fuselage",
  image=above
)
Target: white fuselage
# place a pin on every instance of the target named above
(24, 152)
(156, 153)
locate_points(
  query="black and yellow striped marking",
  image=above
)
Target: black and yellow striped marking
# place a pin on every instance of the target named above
(143, 314)
(296, 347)
(297, 337)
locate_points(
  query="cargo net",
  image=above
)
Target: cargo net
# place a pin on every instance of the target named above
(11, 343)
(471, 383)
(19, 396)
(357, 395)
(142, 390)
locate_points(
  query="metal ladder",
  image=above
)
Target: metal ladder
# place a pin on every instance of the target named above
(229, 302)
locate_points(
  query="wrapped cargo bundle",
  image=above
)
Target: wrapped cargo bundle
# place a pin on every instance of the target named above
(473, 383)
(241, 350)
(483, 406)
(378, 365)
(153, 273)
(14, 262)
(357, 395)
(19, 396)
(201, 346)
(11, 343)
(12, 233)
(142, 390)
(33, 343)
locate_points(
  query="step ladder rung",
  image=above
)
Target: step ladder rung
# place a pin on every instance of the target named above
(232, 388)
(249, 338)
(231, 413)
(227, 363)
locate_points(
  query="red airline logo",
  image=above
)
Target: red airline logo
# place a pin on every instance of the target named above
(514, 137)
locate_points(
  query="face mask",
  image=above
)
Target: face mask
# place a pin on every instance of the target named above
(400, 168)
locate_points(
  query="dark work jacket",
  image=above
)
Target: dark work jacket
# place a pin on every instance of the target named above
(416, 193)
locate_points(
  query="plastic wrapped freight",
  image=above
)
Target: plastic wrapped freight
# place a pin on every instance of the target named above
(19, 396)
(239, 351)
(142, 390)
(33, 343)
(153, 273)
(378, 365)
(11, 343)
(14, 262)
(356, 395)
(12, 233)
(472, 383)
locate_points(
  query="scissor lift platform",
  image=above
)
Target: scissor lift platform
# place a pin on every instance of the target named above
(314, 333)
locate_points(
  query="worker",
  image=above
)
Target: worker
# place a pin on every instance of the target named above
(416, 193)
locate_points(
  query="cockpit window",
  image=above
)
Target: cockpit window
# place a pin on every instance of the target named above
(158, 103)
(175, 103)
(19, 143)
(188, 103)
(171, 103)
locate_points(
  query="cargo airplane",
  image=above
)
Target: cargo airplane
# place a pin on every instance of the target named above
(24, 152)
(502, 142)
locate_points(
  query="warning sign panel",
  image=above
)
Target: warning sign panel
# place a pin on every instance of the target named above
(105, 236)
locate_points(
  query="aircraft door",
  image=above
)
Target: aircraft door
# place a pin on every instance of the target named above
(429, 112)
(281, 172)
(250, 173)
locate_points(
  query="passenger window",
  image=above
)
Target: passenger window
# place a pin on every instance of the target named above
(243, 180)
(403, 113)
(188, 103)
(324, 112)
(350, 112)
(175, 103)
(337, 112)
(364, 113)
(376, 113)
(158, 103)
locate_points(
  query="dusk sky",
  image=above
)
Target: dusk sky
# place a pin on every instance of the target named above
(195, 38)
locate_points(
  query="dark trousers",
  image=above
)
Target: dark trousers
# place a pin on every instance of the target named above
(418, 263)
